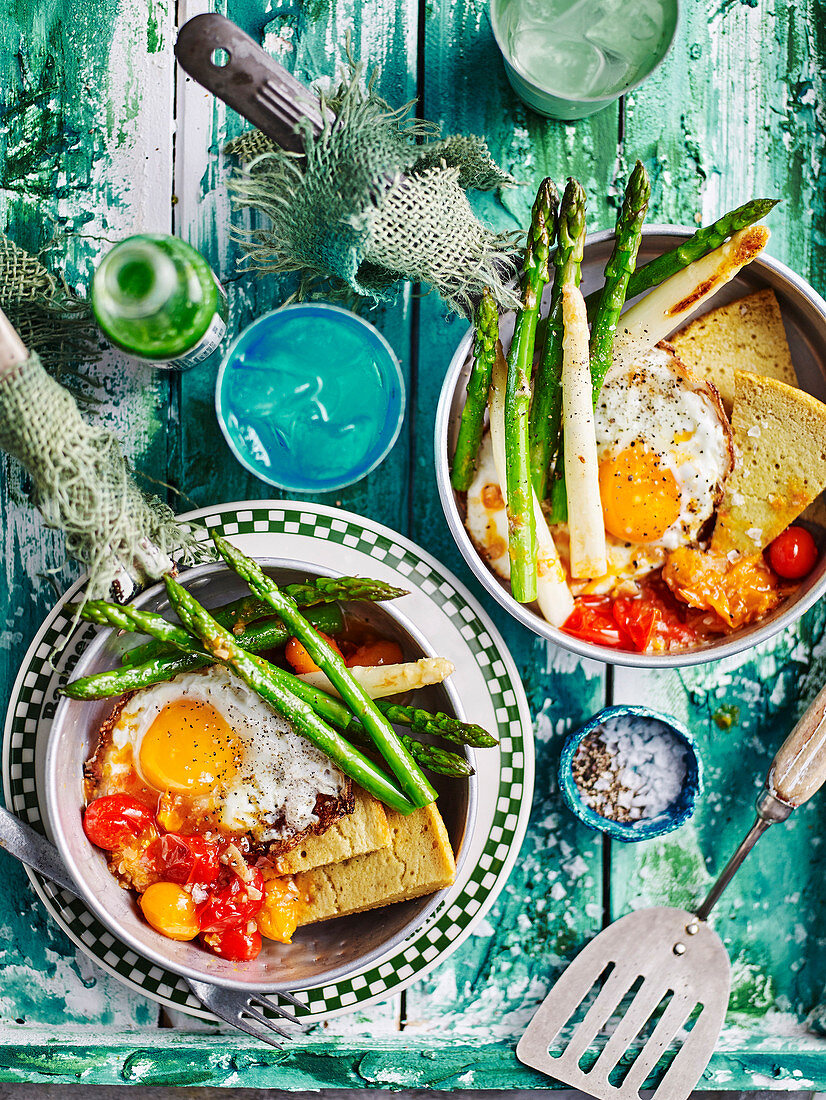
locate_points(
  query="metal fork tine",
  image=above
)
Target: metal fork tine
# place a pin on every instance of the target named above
(649, 995)
(262, 1019)
(285, 996)
(271, 1006)
(617, 984)
(678, 1010)
(234, 1005)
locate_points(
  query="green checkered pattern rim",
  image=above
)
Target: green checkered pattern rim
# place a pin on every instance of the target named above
(37, 697)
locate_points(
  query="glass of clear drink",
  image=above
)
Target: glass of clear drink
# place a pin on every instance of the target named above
(570, 58)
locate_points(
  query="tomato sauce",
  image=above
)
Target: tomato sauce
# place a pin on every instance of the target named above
(192, 885)
(654, 621)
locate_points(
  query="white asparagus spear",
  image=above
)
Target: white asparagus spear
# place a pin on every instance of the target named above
(585, 522)
(552, 592)
(670, 304)
(380, 681)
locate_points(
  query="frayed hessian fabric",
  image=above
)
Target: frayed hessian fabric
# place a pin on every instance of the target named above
(82, 484)
(377, 198)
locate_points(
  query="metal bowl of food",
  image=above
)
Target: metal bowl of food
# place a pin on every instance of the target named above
(803, 313)
(320, 952)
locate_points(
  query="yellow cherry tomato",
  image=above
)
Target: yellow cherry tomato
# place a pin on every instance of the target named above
(170, 910)
(278, 918)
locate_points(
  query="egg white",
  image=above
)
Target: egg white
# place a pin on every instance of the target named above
(271, 792)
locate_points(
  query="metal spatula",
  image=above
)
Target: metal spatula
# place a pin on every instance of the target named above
(668, 963)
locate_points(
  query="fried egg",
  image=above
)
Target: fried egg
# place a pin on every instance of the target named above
(487, 523)
(664, 450)
(217, 757)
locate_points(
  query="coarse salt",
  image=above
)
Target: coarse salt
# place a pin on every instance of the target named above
(643, 768)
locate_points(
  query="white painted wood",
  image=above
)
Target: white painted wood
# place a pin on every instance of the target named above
(130, 192)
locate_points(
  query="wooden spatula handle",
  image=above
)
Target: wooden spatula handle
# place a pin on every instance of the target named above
(13, 352)
(799, 768)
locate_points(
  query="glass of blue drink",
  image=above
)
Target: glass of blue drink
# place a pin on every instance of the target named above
(310, 398)
(570, 58)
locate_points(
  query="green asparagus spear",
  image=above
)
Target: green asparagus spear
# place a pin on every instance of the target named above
(546, 407)
(248, 609)
(148, 622)
(435, 759)
(136, 619)
(618, 271)
(521, 524)
(438, 760)
(222, 645)
(442, 725)
(473, 414)
(254, 639)
(705, 240)
(402, 764)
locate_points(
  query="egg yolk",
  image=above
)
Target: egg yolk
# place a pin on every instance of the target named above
(640, 497)
(188, 748)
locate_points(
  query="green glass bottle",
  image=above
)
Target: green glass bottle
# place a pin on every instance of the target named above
(156, 297)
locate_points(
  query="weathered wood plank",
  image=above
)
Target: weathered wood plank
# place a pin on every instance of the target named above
(86, 159)
(771, 917)
(553, 900)
(310, 40)
(62, 1056)
(756, 132)
(736, 111)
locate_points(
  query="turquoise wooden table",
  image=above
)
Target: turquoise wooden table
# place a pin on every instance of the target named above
(101, 137)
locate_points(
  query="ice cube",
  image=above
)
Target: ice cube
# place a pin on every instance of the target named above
(564, 66)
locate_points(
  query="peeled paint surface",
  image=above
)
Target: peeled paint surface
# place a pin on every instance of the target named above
(707, 149)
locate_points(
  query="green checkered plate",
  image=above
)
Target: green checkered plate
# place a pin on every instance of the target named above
(485, 679)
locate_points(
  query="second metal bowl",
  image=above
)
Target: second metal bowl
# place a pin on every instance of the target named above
(804, 318)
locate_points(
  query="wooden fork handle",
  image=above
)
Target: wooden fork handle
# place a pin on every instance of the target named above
(799, 768)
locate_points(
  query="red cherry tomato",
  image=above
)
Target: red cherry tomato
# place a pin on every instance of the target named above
(639, 619)
(233, 904)
(793, 553)
(234, 943)
(186, 859)
(115, 820)
(592, 620)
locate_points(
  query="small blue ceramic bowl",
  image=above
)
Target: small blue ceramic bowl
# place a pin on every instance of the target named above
(645, 829)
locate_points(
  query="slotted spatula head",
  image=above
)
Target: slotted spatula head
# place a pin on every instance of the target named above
(666, 964)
